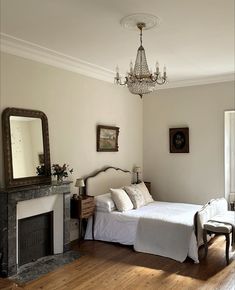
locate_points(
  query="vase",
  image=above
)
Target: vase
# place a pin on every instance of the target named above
(59, 178)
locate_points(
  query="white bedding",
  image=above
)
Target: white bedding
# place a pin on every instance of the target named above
(122, 228)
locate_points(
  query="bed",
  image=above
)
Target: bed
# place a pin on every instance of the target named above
(160, 228)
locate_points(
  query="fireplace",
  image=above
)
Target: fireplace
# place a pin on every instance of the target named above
(25, 203)
(35, 237)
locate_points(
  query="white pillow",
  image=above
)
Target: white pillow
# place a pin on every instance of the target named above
(135, 195)
(121, 199)
(104, 203)
(147, 196)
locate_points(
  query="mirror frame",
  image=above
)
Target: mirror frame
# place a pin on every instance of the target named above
(11, 182)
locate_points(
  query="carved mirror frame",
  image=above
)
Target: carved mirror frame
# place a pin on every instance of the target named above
(10, 181)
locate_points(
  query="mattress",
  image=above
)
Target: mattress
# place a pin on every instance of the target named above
(122, 227)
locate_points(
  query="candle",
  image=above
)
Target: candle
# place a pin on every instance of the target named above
(157, 67)
(164, 72)
(131, 67)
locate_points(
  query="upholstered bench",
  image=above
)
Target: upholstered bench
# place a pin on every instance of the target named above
(214, 218)
(218, 228)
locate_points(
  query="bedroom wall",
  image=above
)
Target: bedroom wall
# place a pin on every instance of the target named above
(198, 176)
(74, 105)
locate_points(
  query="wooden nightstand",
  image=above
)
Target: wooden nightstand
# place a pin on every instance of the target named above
(232, 206)
(83, 208)
(148, 185)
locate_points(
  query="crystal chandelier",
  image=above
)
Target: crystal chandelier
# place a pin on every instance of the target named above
(139, 79)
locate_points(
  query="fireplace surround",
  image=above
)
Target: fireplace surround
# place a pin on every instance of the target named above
(11, 202)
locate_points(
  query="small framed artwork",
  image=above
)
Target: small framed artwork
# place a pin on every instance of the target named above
(107, 138)
(179, 140)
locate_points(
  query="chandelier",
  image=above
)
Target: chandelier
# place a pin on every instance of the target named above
(140, 80)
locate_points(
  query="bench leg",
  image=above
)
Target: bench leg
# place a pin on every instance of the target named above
(205, 242)
(227, 247)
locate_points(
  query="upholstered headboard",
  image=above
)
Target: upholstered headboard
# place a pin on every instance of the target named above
(103, 180)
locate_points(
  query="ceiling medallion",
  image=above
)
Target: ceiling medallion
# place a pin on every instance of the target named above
(139, 79)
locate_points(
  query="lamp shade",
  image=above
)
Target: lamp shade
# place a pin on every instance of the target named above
(79, 182)
(137, 169)
(232, 197)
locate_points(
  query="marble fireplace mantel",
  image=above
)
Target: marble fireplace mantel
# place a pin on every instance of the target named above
(8, 219)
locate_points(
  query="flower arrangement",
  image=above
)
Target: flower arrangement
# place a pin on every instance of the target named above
(61, 171)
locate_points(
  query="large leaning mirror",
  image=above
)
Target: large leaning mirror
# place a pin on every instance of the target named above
(26, 147)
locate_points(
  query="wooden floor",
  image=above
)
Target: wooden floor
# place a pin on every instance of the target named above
(112, 266)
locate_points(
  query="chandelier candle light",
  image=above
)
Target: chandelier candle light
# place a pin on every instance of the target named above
(139, 79)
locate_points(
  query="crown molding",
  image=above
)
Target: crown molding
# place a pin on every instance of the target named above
(199, 81)
(29, 50)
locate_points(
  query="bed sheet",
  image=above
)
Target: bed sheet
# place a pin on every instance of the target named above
(122, 227)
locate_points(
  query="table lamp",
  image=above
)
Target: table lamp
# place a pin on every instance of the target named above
(79, 183)
(137, 170)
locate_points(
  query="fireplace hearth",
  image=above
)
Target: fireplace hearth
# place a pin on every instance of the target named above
(14, 204)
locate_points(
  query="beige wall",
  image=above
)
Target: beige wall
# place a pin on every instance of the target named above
(198, 176)
(74, 105)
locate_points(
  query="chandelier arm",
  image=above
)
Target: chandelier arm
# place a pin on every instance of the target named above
(119, 81)
(162, 82)
(153, 77)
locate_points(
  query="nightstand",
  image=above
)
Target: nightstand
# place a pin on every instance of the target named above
(83, 208)
(232, 206)
(148, 185)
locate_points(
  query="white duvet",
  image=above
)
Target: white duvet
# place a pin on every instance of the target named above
(160, 228)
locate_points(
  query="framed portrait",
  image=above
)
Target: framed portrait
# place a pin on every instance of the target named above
(179, 140)
(107, 138)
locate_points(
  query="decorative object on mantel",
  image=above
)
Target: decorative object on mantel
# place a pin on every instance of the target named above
(80, 184)
(107, 138)
(140, 80)
(40, 170)
(61, 172)
(179, 140)
(137, 170)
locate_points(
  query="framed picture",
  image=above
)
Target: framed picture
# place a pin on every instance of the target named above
(107, 138)
(179, 140)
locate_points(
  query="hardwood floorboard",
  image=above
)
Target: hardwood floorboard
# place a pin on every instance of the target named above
(112, 266)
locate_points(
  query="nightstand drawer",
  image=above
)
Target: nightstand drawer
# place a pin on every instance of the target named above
(87, 212)
(88, 200)
(87, 204)
(87, 207)
(82, 207)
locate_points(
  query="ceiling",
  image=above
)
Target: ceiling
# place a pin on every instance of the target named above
(195, 38)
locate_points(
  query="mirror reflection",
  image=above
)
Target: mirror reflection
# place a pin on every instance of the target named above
(26, 146)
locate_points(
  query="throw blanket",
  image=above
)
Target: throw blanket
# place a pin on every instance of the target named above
(226, 218)
(168, 237)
